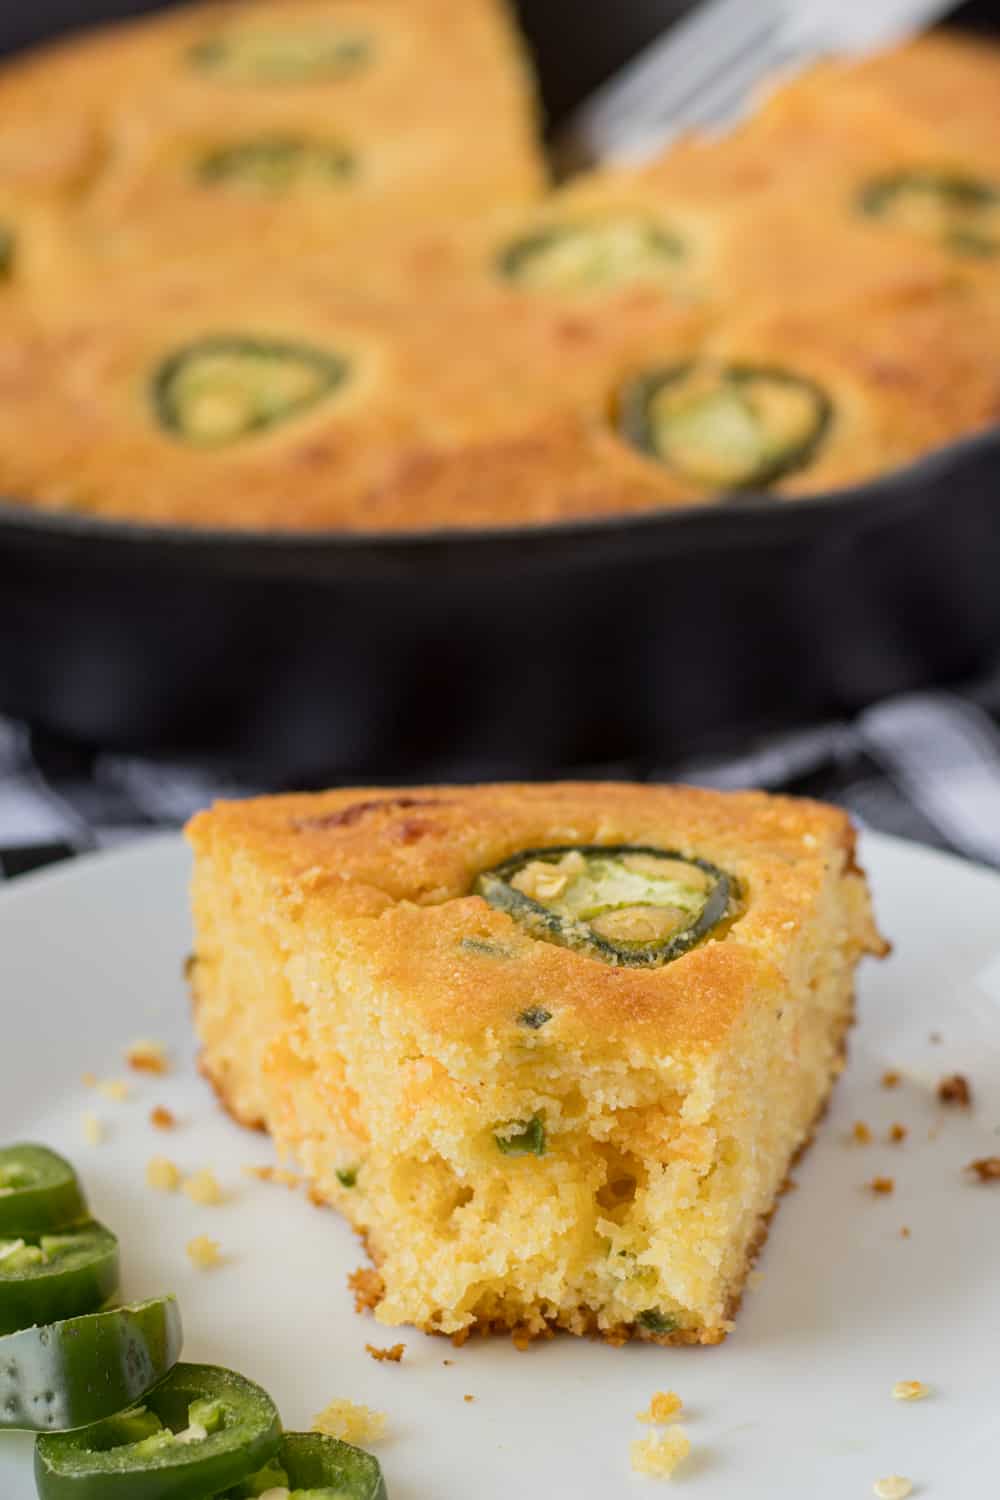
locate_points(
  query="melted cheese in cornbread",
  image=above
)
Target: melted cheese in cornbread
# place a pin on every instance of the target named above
(357, 1000)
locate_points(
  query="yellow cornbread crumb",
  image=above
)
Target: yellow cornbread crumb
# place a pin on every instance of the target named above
(893, 1487)
(274, 1174)
(910, 1390)
(663, 1406)
(93, 1130)
(203, 1252)
(203, 1188)
(658, 1457)
(861, 1133)
(115, 1089)
(147, 1056)
(350, 1422)
(162, 1175)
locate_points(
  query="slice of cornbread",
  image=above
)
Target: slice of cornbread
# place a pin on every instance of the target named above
(550, 1048)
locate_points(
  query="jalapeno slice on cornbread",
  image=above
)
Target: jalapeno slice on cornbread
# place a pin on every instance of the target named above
(959, 210)
(320, 52)
(726, 426)
(575, 257)
(7, 250)
(626, 903)
(225, 388)
(276, 163)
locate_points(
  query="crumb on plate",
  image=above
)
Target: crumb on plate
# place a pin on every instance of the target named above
(861, 1135)
(89, 1080)
(274, 1174)
(93, 1129)
(891, 1079)
(882, 1185)
(202, 1187)
(204, 1253)
(897, 1133)
(955, 1090)
(468, 1398)
(162, 1118)
(366, 1284)
(350, 1422)
(162, 1174)
(147, 1056)
(910, 1390)
(659, 1456)
(986, 1168)
(893, 1487)
(904, 1233)
(392, 1355)
(115, 1089)
(663, 1406)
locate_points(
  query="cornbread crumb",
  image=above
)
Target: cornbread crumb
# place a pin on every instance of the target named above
(393, 1354)
(115, 1089)
(891, 1079)
(162, 1118)
(663, 1406)
(882, 1185)
(955, 1090)
(93, 1129)
(861, 1133)
(468, 1398)
(274, 1174)
(904, 1233)
(909, 1390)
(89, 1080)
(366, 1284)
(162, 1175)
(893, 1487)
(203, 1188)
(987, 1168)
(146, 1056)
(897, 1134)
(936, 1038)
(659, 1456)
(204, 1253)
(350, 1422)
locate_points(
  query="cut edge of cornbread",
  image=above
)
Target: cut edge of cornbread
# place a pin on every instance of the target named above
(656, 1190)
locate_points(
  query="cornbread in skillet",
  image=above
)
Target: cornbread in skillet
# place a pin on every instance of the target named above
(551, 1049)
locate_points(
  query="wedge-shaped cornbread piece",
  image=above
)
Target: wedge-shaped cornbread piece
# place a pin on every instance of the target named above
(551, 1049)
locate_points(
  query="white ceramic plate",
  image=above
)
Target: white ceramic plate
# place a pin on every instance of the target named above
(796, 1403)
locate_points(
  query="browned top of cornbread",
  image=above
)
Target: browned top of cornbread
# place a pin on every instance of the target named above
(384, 878)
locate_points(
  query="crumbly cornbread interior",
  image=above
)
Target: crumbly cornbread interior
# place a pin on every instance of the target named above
(526, 1136)
(202, 209)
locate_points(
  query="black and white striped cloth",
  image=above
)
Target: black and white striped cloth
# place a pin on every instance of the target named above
(924, 766)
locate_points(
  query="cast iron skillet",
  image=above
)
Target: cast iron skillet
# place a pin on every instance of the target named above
(617, 643)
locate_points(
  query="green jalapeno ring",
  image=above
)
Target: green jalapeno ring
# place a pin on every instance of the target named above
(262, 56)
(56, 1276)
(275, 162)
(39, 1192)
(312, 1465)
(120, 1459)
(637, 425)
(515, 260)
(957, 191)
(574, 933)
(250, 392)
(77, 1371)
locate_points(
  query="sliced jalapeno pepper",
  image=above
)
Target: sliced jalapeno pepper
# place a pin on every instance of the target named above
(39, 1192)
(77, 1371)
(958, 210)
(309, 1466)
(202, 1430)
(728, 426)
(276, 163)
(44, 1278)
(316, 53)
(224, 388)
(573, 257)
(7, 244)
(628, 904)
